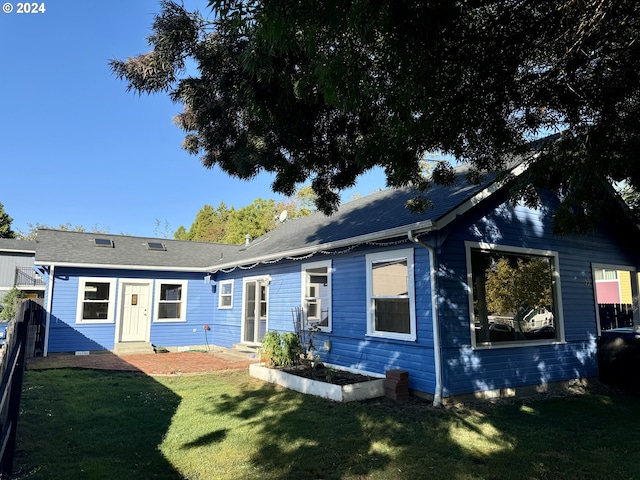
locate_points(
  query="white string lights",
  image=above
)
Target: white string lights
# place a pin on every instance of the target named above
(305, 257)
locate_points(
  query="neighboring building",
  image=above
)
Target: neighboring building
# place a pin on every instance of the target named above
(613, 286)
(389, 289)
(17, 269)
(614, 293)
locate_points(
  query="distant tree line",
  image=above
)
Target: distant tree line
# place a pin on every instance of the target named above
(230, 225)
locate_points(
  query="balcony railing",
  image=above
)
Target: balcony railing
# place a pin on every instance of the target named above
(27, 277)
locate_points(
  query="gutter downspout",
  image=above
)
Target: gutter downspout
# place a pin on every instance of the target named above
(47, 322)
(437, 395)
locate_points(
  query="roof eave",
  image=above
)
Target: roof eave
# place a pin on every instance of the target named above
(155, 268)
(419, 227)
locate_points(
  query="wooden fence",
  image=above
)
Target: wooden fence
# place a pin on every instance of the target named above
(615, 315)
(21, 338)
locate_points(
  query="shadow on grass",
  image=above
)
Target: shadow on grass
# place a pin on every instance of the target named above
(216, 436)
(93, 424)
(298, 436)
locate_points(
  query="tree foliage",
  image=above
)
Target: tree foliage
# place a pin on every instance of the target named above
(512, 286)
(231, 225)
(5, 224)
(10, 304)
(32, 233)
(326, 90)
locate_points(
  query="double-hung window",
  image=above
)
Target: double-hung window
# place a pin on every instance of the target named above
(171, 301)
(225, 296)
(316, 294)
(514, 295)
(390, 295)
(96, 299)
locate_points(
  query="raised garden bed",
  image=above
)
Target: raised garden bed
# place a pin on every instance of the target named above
(344, 386)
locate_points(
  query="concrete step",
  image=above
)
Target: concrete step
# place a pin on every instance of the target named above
(131, 348)
(247, 351)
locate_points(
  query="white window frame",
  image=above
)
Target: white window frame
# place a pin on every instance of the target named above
(82, 281)
(221, 295)
(557, 294)
(183, 300)
(305, 300)
(372, 258)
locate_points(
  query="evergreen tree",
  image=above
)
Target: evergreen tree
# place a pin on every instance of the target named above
(5, 224)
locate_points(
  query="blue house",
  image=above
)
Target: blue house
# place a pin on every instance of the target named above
(125, 294)
(472, 297)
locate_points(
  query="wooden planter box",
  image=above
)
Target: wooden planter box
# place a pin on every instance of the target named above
(338, 393)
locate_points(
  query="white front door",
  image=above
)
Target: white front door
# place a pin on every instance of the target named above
(136, 308)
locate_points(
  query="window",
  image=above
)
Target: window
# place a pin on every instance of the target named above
(103, 242)
(390, 295)
(602, 274)
(171, 301)
(96, 298)
(158, 246)
(225, 298)
(316, 294)
(514, 295)
(263, 301)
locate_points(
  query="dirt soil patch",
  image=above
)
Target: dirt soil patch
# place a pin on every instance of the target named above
(152, 364)
(325, 374)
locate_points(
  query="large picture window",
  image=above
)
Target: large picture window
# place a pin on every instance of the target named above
(514, 295)
(390, 292)
(316, 294)
(171, 304)
(96, 297)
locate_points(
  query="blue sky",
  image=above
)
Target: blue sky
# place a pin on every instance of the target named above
(75, 147)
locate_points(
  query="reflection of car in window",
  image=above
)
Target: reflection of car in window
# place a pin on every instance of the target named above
(535, 324)
(538, 318)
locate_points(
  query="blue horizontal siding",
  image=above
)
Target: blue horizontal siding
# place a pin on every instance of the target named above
(66, 335)
(466, 370)
(350, 346)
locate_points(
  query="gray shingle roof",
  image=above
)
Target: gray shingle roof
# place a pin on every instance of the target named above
(382, 211)
(14, 245)
(59, 247)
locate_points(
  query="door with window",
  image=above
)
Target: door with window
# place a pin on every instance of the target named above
(254, 309)
(135, 320)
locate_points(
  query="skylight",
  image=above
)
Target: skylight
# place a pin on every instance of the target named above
(156, 246)
(103, 242)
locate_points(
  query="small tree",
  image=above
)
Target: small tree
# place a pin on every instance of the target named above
(10, 304)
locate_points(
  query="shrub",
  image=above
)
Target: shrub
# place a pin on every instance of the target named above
(281, 350)
(10, 304)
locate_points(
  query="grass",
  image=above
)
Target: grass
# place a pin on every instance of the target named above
(104, 425)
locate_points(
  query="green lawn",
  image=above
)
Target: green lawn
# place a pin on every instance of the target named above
(78, 424)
